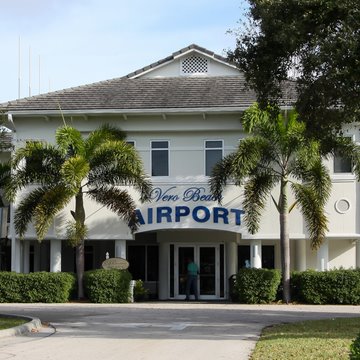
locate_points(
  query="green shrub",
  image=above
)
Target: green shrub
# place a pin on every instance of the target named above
(43, 287)
(107, 286)
(329, 287)
(11, 287)
(355, 349)
(256, 286)
(48, 287)
(140, 293)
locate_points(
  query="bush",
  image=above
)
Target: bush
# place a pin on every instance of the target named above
(43, 287)
(329, 287)
(355, 349)
(107, 286)
(140, 293)
(256, 286)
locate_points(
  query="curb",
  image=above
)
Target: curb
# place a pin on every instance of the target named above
(32, 325)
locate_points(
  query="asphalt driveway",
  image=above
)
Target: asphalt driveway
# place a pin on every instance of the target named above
(160, 330)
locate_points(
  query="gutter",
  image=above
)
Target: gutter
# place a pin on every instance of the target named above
(122, 112)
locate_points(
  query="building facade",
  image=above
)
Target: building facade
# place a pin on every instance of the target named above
(182, 114)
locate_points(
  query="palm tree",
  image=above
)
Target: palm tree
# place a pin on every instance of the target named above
(98, 167)
(277, 153)
(5, 172)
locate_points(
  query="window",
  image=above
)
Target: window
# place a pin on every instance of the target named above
(160, 158)
(267, 256)
(131, 142)
(213, 154)
(144, 262)
(342, 164)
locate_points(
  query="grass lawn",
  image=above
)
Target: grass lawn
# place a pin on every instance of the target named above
(9, 322)
(317, 339)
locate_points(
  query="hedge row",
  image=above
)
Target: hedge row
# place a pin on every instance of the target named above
(107, 286)
(36, 287)
(255, 286)
(327, 287)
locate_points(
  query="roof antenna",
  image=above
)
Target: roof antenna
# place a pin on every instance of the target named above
(19, 69)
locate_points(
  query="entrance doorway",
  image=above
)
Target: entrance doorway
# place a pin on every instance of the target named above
(210, 259)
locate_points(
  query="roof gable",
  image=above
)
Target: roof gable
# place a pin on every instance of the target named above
(189, 61)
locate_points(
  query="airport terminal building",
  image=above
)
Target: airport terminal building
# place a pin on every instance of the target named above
(182, 114)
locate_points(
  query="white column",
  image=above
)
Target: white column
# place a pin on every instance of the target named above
(120, 248)
(357, 253)
(323, 256)
(300, 255)
(163, 271)
(55, 255)
(231, 258)
(26, 252)
(255, 253)
(231, 264)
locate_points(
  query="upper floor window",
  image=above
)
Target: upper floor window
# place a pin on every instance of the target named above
(160, 158)
(131, 142)
(342, 164)
(213, 154)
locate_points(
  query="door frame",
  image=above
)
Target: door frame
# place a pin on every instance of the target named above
(197, 248)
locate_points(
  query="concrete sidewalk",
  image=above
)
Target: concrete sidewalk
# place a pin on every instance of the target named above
(159, 330)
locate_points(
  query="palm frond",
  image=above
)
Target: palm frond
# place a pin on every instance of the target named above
(312, 208)
(5, 177)
(256, 193)
(26, 208)
(76, 232)
(74, 170)
(118, 163)
(318, 179)
(69, 141)
(51, 202)
(255, 119)
(103, 134)
(221, 172)
(119, 201)
(37, 163)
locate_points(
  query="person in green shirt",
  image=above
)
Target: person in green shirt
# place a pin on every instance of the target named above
(191, 281)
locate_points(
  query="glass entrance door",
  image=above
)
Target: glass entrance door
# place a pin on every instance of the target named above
(207, 259)
(184, 253)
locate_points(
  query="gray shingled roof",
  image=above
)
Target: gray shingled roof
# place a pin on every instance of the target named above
(145, 93)
(142, 94)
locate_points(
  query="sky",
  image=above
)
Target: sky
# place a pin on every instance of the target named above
(57, 44)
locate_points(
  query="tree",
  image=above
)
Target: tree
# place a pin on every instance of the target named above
(96, 167)
(319, 41)
(5, 146)
(277, 153)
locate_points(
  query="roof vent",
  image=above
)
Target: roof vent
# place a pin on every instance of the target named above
(194, 65)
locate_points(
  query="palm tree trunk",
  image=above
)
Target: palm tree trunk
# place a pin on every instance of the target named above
(80, 248)
(284, 242)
